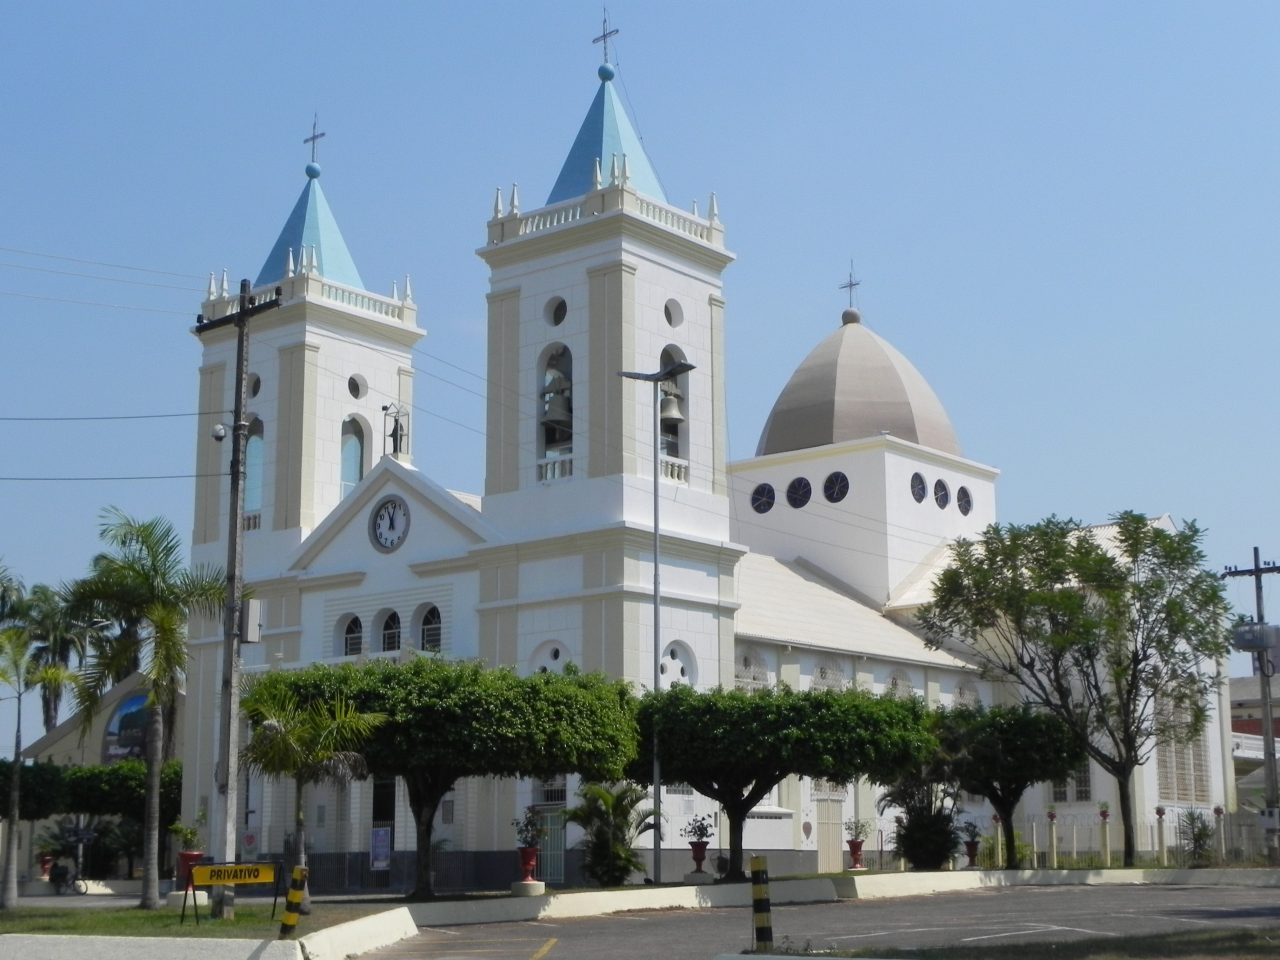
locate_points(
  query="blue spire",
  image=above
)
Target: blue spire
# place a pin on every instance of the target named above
(311, 224)
(606, 132)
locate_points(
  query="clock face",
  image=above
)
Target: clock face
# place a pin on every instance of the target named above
(389, 523)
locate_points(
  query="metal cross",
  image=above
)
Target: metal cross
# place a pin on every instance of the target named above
(315, 123)
(850, 284)
(605, 34)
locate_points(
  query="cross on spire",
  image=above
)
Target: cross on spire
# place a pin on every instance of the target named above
(851, 284)
(605, 34)
(315, 124)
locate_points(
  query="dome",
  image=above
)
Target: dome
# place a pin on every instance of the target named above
(855, 385)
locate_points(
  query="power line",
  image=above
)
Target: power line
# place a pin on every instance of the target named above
(94, 303)
(94, 276)
(119, 416)
(151, 476)
(101, 263)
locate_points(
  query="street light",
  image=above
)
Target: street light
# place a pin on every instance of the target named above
(670, 372)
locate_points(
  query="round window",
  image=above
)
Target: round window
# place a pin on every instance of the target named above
(836, 487)
(255, 384)
(964, 500)
(799, 491)
(919, 489)
(673, 313)
(555, 311)
(762, 498)
(356, 386)
(941, 495)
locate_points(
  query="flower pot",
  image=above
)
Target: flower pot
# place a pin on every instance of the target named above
(699, 850)
(971, 851)
(855, 854)
(528, 863)
(186, 860)
(46, 862)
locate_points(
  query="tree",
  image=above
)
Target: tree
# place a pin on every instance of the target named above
(20, 671)
(999, 752)
(1116, 631)
(449, 720)
(142, 585)
(57, 635)
(613, 817)
(735, 747)
(316, 742)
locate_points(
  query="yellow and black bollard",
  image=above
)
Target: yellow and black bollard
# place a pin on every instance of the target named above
(293, 902)
(762, 923)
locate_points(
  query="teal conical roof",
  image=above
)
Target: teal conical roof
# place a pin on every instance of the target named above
(606, 132)
(311, 227)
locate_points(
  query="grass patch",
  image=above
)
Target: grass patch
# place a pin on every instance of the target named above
(1226, 944)
(252, 922)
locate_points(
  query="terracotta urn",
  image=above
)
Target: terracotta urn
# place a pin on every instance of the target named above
(186, 860)
(699, 850)
(528, 863)
(855, 854)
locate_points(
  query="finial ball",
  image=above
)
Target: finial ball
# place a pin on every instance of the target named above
(313, 170)
(606, 72)
(851, 316)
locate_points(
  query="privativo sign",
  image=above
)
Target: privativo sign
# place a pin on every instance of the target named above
(224, 874)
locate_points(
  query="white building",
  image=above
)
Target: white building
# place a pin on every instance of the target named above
(803, 564)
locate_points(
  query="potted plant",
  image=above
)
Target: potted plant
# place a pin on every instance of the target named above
(972, 834)
(1104, 811)
(189, 853)
(697, 831)
(528, 833)
(1052, 813)
(857, 832)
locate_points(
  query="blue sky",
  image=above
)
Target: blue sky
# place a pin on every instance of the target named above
(1064, 215)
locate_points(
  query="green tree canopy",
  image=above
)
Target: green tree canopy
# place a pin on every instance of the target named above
(448, 720)
(734, 746)
(1117, 631)
(1000, 752)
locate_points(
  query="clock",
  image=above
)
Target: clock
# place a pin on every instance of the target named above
(389, 523)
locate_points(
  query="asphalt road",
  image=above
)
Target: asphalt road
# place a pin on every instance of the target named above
(1032, 915)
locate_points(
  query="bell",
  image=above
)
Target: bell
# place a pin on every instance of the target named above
(669, 410)
(559, 411)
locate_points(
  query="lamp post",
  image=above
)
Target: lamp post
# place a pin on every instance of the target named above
(223, 830)
(670, 372)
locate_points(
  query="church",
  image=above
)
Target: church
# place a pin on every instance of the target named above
(605, 414)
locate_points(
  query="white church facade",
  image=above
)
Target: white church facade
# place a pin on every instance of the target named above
(803, 564)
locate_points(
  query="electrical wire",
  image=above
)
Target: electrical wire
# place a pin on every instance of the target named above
(100, 263)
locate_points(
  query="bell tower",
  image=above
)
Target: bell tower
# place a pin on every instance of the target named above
(330, 388)
(607, 277)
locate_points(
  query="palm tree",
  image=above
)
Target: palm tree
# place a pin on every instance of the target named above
(57, 634)
(20, 670)
(11, 594)
(613, 819)
(310, 742)
(143, 585)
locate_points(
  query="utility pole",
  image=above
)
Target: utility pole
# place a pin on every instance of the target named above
(1265, 669)
(223, 830)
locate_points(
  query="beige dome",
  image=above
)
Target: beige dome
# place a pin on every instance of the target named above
(855, 385)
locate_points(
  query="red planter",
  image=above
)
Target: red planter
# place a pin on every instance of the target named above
(855, 854)
(186, 860)
(699, 850)
(971, 851)
(46, 862)
(528, 863)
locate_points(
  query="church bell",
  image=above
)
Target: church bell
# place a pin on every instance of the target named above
(669, 409)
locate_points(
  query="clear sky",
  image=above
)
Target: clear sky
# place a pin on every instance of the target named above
(1065, 215)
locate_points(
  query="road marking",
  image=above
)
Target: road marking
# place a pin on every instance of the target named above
(1039, 928)
(452, 933)
(544, 949)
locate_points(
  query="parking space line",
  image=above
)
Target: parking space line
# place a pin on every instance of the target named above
(544, 949)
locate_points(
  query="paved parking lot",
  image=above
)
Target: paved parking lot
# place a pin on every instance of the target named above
(1033, 915)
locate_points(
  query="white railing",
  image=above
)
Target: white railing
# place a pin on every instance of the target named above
(555, 468)
(360, 300)
(674, 219)
(677, 471)
(550, 217)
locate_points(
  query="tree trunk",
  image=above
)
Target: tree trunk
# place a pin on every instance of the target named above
(423, 801)
(1124, 782)
(300, 840)
(50, 700)
(737, 818)
(9, 893)
(151, 812)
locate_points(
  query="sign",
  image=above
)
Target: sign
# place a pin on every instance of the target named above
(126, 734)
(224, 874)
(380, 848)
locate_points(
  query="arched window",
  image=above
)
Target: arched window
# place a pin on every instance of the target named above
(352, 454)
(391, 631)
(253, 450)
(352, 638)
(432, 629)
(673, 412)
(555, 404)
